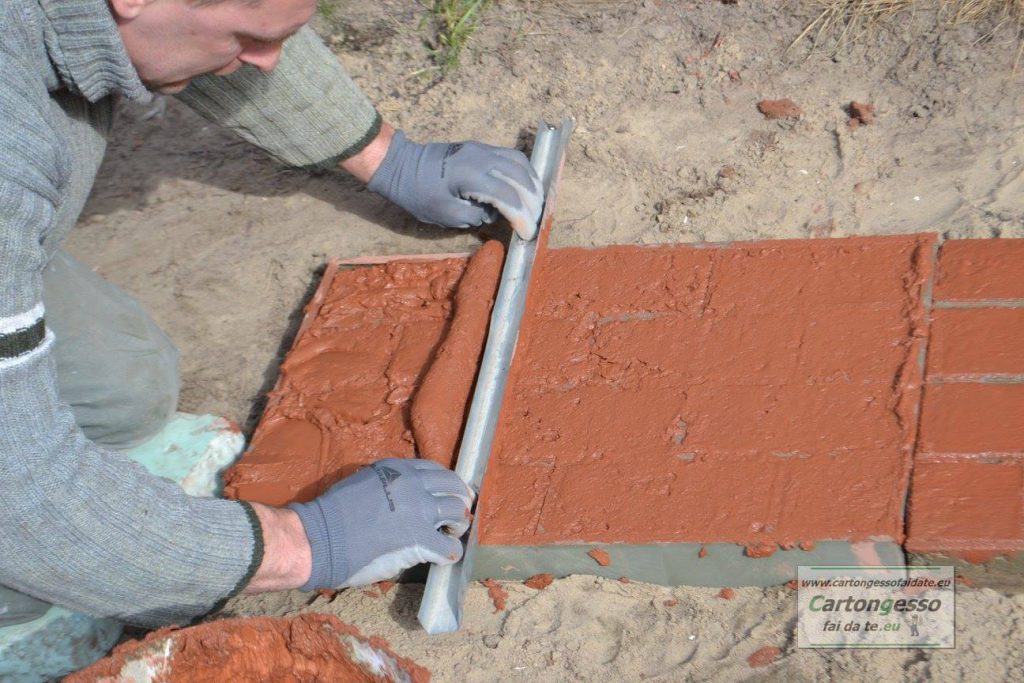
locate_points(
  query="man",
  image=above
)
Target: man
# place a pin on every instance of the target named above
(86, 376)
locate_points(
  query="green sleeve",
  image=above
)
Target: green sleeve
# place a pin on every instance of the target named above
(306, 112)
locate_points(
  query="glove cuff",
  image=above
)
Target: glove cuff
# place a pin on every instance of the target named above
(385, 178)
(329, 550)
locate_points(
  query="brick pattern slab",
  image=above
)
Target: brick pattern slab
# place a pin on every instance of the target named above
(972, 418)
(761, 394)
(758, 399)
(981, 270)
(977, 344)
(967, 493)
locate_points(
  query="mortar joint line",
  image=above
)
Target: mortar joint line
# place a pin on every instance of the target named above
(927, 306)
(976, 378)
(984, 457)
(979, 303)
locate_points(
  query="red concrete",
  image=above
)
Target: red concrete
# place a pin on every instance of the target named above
(436, 423)
(765, 394)
(759, 394)
(967, 509)
(343, 397)
(968, 484)
(972, 418)
(972, 270)
(977, 341)
(300, 648)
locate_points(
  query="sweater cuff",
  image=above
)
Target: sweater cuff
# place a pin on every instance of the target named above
(258, 547)
(307, 112)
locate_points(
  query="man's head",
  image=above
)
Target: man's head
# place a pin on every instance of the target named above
(170, 42)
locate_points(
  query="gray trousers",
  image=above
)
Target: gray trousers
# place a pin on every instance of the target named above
(115, 367)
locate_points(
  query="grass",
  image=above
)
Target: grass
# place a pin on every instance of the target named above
(844, 22)
(454, 22)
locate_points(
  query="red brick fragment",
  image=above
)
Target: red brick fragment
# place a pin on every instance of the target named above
(727, 594)
(760, 549)
(977, 341)
(764, 656)
(979, 270)
(792, 584)
(806, 546)
(972, 418)
(601, 557)
(327, 593)
(702, 553)
(624, 579)
(539, 581)
(779, 109)
(385, 586)
(861, 113)
(497, 594)
(964, 580)
(303, 647)
(671, 602)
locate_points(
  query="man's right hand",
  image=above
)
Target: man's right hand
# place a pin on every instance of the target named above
(387, 517)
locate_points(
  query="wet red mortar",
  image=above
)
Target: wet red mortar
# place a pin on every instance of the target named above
(343, 397)
(539, 581)
(306, 648)
(968, 485)
(967, 509)
(498, 595)
(980, 270)
(972, 418)
(977, 341)
(755, 394)
(765, 394)
(448, 384)
(760, 550)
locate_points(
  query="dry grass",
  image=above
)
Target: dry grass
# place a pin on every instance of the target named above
(840, 23)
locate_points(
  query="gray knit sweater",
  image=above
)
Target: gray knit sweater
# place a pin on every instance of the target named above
(82, 526)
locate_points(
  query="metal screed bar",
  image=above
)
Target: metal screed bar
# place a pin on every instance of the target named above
(441, 609)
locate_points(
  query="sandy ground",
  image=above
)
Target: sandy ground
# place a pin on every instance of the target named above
(223, 246)
(590, 629)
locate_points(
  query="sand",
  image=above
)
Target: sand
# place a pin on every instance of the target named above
(590, 629)
(222, 246)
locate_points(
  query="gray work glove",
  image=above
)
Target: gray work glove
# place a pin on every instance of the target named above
(384, 518)
(459, 185)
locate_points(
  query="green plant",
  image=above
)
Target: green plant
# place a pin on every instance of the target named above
(454, 22)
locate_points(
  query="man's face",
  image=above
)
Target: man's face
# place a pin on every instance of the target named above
(170, 42)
